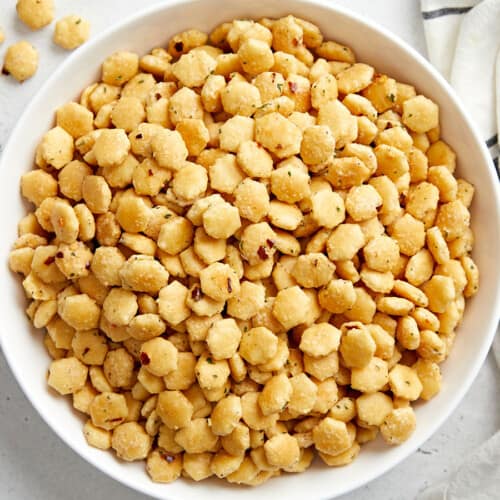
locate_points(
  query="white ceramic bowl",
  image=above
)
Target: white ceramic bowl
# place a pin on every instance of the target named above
(23, 347)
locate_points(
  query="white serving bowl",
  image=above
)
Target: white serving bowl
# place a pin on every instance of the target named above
(23, 347)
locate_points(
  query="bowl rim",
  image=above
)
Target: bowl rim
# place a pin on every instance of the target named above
(380, 31)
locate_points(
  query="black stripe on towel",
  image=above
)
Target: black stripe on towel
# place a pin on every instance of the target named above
(495, 162)
(446, 11)
(492, 141)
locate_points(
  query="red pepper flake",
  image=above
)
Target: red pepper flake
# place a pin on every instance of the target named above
(270, 243)
(138, 136)
(145, 360)
(59, 255)
(295, 42)
(150, 172)
(179, 46)
(196, 294)
(229, 286)
(5, 71)
(158, 96)
(86, 351)
(87, 265)
(279, 146)
(293, 87)
(117, 419)
(261, 252)
(49, 260)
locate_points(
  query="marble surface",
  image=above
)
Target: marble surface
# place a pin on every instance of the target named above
(36, 465)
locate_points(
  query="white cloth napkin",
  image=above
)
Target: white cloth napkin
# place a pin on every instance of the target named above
(463, 41)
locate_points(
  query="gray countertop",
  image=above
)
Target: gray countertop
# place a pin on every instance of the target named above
(36, 465)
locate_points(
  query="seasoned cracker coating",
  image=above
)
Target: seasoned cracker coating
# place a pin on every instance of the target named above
(246, 247)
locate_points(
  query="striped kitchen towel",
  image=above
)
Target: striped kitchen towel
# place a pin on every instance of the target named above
(463, 41)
